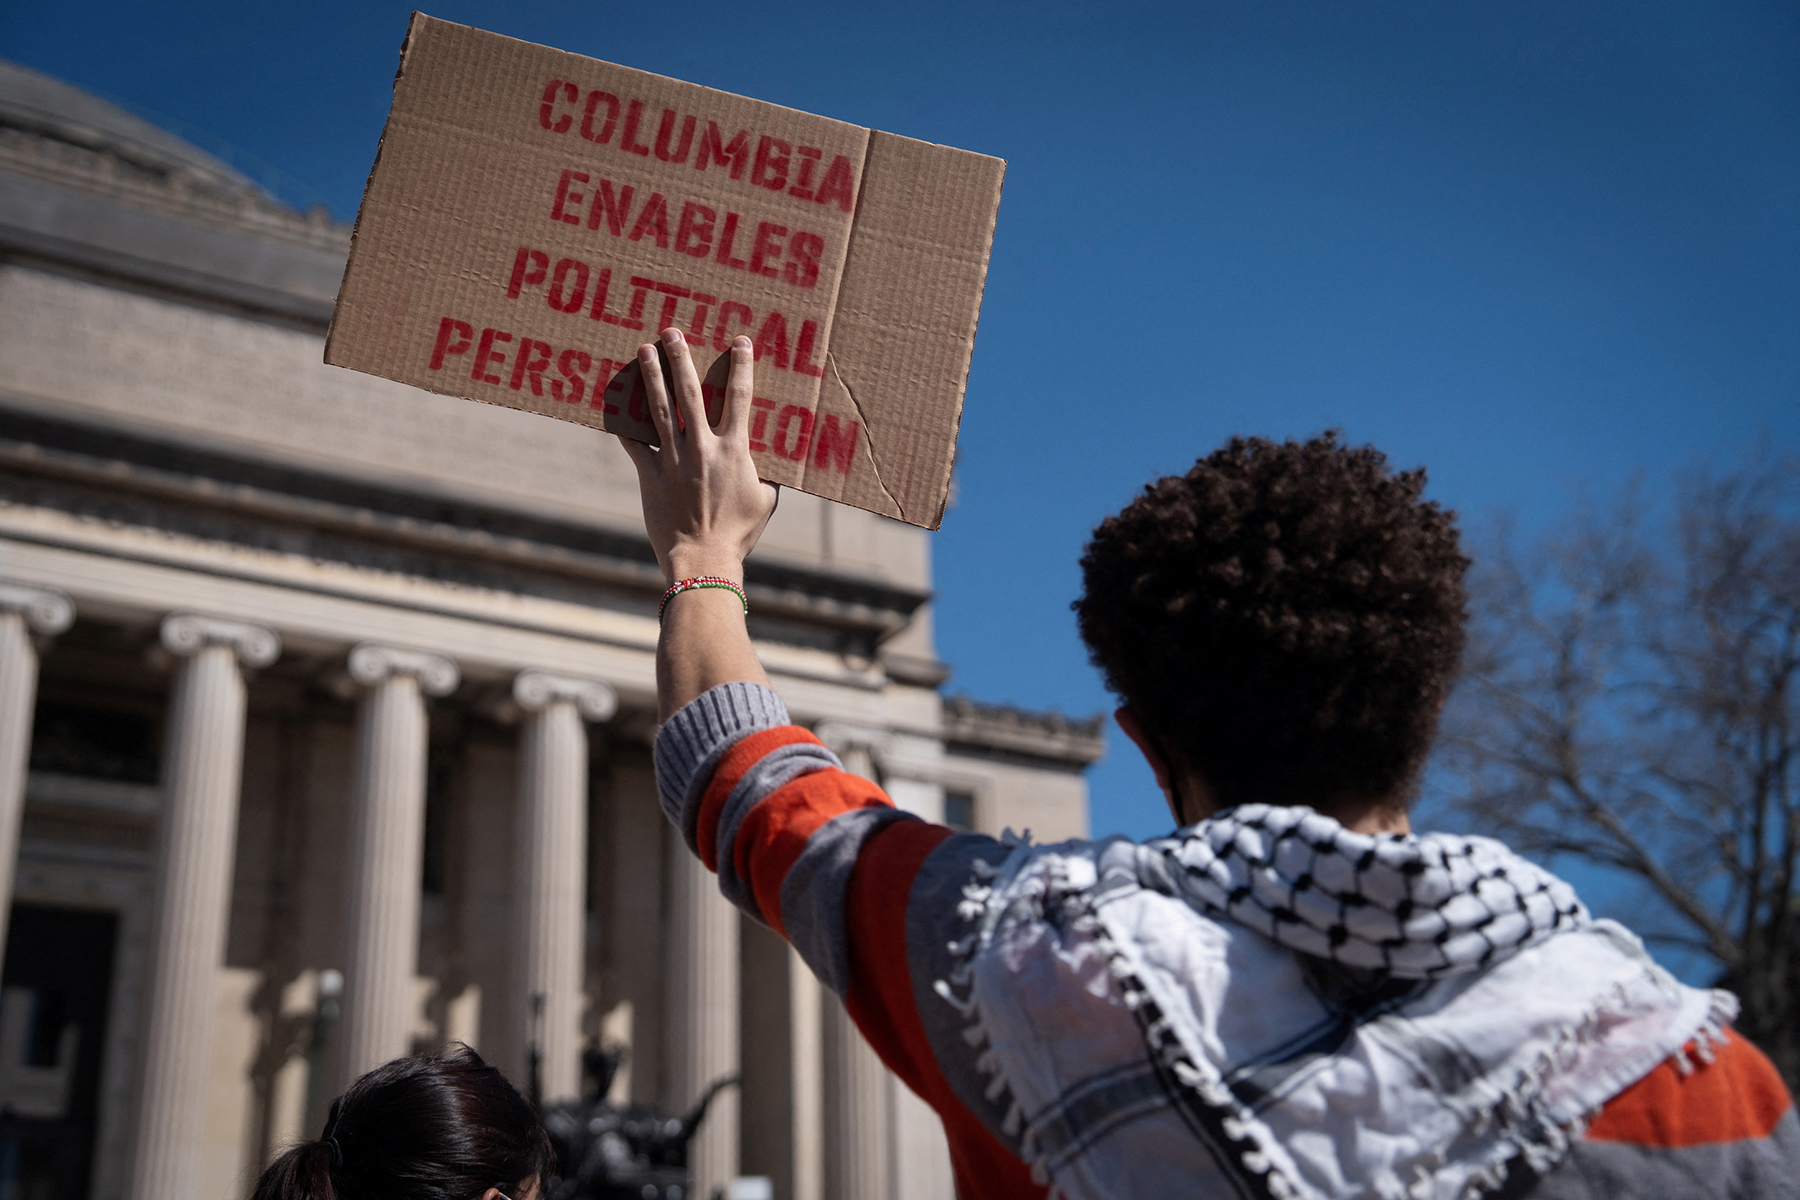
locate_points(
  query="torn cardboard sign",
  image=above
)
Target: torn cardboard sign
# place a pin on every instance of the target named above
(534, 216)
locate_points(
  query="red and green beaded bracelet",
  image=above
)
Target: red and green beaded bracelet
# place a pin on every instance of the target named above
(701, 581)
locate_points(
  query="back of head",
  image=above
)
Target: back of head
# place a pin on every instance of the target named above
(1286, 619)
(436, 1127)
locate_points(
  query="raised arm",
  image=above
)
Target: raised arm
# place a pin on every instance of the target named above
(867, 894)
(704, 509)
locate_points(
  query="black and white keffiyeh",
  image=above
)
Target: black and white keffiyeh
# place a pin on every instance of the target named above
(1269, 1005)
(1415, 907)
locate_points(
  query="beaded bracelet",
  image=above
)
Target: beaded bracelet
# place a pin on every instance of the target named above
(701, 581)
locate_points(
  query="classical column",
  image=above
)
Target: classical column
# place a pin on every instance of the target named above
(921, 1151)
(859, 1117)
(196, 839)
(386, 852)
(25, 613)
(859, 1135)
(549, 873)
(807, 1072)
(702, 1030)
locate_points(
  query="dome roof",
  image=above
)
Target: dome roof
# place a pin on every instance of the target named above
(39, 104)
(84, 182)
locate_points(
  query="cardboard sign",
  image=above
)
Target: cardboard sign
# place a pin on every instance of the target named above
(534, 216)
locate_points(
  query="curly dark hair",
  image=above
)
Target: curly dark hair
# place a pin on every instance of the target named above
(1285, 618)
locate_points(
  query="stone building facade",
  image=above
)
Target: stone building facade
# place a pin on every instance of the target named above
(325, 713)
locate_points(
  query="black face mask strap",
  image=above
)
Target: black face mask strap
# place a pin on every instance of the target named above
(1162, 752)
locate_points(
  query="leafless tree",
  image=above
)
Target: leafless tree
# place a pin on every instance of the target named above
(1630, 699)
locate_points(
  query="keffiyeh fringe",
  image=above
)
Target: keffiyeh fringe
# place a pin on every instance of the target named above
(957, 990)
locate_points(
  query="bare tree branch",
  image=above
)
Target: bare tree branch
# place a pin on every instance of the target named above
(1632, 699)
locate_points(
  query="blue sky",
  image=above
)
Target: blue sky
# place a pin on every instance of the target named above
(1535, 247)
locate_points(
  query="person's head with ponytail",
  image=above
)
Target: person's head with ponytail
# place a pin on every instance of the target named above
(438, 1127)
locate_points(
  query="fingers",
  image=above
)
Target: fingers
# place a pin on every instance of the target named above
(738, 391)
(656, 397)
(687, 384)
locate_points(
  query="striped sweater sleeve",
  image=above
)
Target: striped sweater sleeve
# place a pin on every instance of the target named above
(866, 893)
(1724, 1127)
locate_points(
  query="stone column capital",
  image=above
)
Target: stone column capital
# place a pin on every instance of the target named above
(371, 664)
(185, 634)
(47, 612)
(842, 735)
(535, 691)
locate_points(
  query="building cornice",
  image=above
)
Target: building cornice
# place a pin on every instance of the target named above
(1002, 731)
(333, 514)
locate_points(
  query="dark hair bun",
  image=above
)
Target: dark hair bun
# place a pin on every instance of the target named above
(436, 1127)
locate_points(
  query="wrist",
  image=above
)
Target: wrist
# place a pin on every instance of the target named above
(692, 562)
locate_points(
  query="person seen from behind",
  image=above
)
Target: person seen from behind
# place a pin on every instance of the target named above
(1294, 995)
(434, 1127)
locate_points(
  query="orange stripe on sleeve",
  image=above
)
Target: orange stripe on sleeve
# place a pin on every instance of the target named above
(774, 834)
(1737, 1096)
(881, 1003)
(732, 766)
(881, 995)
(770, 839)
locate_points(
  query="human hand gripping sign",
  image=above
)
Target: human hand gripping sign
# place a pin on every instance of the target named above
(704, 510)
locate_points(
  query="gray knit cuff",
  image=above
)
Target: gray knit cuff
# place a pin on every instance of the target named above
(692, 741)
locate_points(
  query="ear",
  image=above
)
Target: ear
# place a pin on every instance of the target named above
(1135, 731)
